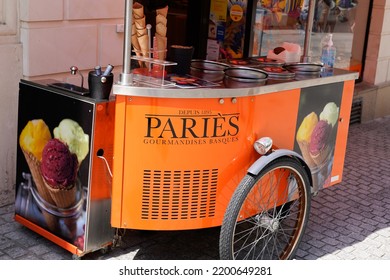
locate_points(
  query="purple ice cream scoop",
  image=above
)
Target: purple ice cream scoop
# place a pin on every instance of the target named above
(320, 137)
(59, 166)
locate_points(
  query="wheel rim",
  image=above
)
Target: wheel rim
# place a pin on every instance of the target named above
(272, 216)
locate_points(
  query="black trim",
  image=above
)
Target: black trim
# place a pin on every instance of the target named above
(369, 17)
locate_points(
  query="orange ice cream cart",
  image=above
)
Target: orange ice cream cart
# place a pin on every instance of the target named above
(233, 147)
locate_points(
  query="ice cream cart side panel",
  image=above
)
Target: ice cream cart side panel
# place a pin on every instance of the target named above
(183, 158)
(118, 168)
(102, 151)
(57, 131)
(342, 133)
(320, 111)
(100, 233)
(275, 116)
(45, 163)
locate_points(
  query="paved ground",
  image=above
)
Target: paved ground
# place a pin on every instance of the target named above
(347, 221)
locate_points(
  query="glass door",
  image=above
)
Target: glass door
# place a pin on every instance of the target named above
(280, 21)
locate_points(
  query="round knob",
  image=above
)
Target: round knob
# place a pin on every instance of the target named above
(73, 70)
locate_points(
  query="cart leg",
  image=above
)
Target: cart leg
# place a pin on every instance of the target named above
(105, 250)
(267, 214)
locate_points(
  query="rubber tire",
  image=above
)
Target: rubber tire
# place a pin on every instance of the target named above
(229, 224)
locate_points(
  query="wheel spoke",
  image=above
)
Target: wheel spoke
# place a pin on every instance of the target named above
(270, 213)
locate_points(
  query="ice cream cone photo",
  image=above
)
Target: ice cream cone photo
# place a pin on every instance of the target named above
(319, 142)
(303, 137)
(32, 141)
(43, 192)
(59, 170)
(321, 157)
(330, 113)
(61, 159)
(35, 169)
(322, 134)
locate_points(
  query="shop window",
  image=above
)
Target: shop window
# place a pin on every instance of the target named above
(285, 21)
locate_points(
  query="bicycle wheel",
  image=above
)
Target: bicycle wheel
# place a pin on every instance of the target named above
(267, 214)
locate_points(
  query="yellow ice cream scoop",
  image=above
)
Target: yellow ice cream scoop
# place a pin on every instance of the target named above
(330, 113)
(307, 126)
(34, 137)
(70, 132)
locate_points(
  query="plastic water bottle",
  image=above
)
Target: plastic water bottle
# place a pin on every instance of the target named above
(328, 55)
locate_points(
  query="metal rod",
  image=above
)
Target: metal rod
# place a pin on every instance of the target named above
(126, 77)
(309, 28)
(149, 28)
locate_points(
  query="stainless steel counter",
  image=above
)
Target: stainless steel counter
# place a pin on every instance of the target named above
(227, 88)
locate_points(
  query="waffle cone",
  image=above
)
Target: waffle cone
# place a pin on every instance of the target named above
(161, 19)
(138, 10)
(321, 158)
(140, 23)
(162, 11)
(35, 169)
(134, 41)
(161, 29)
(144, 45)
(141, 32)
(63, 198)
(133, 29)
(304, 146)
(161, 46)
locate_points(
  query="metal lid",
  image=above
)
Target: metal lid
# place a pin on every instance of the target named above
(208, 66)
(304, 67)
(245, 74)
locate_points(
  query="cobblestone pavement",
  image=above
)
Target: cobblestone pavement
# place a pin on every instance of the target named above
(348, 221)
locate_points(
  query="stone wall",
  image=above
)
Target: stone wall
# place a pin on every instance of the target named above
(10, 74)
(44, 42)
(377, 62)
(57, 34)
